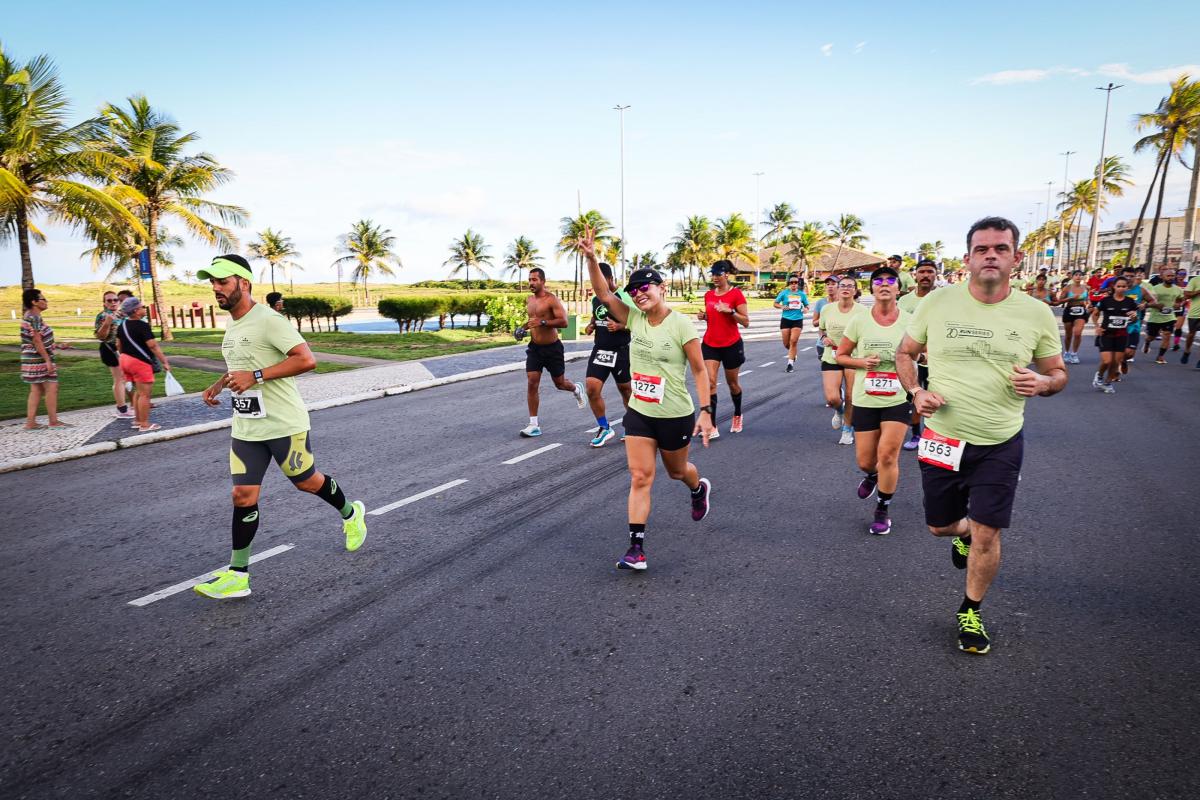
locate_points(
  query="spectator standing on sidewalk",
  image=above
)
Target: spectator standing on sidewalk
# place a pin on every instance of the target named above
(105, 329)
(139, 352)
(37, 361)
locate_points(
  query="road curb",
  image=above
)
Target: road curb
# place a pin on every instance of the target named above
(205, 427)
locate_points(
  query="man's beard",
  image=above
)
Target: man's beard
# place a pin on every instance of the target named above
(231, 300)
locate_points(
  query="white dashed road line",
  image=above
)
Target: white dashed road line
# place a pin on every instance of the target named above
(805, 350)
(745, 372)
(769, 363)
(419, 496)
(532, 453)
(180, 587)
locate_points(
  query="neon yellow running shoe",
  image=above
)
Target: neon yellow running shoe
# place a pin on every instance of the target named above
(226, 585)
(356, 526)
(972, 638)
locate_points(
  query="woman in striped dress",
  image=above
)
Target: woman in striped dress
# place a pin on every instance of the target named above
(37, 361)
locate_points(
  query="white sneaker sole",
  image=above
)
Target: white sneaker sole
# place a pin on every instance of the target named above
(634, 567)
(230, 596)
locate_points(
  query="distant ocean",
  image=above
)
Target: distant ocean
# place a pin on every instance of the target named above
(389, 326)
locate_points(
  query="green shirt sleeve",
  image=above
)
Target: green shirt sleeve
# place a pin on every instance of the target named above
(918, 326)
(280, 333)
(1048, 344)
(853, 331)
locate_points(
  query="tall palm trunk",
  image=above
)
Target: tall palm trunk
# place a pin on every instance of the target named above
(1142, 214)
(1162, 186)
(152, 230)
(272, 265)
(467, 265)
(836, 256)
(23, 245)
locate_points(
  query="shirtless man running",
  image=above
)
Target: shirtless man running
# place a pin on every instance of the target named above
(545, 350)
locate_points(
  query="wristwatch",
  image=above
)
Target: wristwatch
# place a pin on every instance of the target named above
(258, 375)
(708, 408)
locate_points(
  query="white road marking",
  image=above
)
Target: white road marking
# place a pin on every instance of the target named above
(745, 372)
(532, 453)
(612, 423)
(416, 497)
(180, 587)
(769, 363)
(805, 350)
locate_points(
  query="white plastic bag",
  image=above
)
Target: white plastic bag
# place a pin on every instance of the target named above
(172, 385)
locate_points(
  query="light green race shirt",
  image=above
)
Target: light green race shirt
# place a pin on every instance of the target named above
(910, 301)
(1167, 295)
(261, 339)
(833, 323)
(973, 348)
(1194, 286)
(658, 364)
(871, 338)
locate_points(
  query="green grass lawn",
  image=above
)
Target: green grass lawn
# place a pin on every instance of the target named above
(83, 382)
(391, 346)
(215, 356)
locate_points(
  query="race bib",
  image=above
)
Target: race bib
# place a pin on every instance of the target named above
(795, 304)
(648, 388)
(605, 358)
(248, 404)
(1076, 311)
(882, 384)
(940, 451)
(1117, 323)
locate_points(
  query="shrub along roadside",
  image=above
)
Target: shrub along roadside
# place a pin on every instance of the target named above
(410, 313)
(314, 309)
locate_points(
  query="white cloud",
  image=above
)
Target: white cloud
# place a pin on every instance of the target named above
(1117, 71)
(827, 49)
(1165, 75)
(859, 47)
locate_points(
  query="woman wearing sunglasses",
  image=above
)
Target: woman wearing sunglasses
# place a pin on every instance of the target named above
(837, 380)
(105, 329)
(793, 301)
(881, 407)
(660, 420)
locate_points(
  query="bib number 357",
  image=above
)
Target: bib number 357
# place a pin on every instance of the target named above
(940, 451)
(648, 388)
(248, 404)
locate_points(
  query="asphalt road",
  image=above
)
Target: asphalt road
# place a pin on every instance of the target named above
(481, 644)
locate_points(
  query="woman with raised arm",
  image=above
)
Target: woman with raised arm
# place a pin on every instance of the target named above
(661, 417)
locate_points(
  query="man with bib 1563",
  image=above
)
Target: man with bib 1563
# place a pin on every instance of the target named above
(981, 337)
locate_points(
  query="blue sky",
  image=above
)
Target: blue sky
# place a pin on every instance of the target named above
(431, 118)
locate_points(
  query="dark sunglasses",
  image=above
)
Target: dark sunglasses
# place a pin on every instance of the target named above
(636, 290)
(885, 280)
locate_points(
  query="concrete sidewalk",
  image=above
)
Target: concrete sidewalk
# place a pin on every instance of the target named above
(95, 430)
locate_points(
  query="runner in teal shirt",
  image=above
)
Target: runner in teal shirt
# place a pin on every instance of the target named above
(793, 302)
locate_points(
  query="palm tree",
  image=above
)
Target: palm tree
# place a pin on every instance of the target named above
(848, 230)
(276, 249)
(122, 253)
(694, 244)
(40, 157)
(780, 223)
(155, 178)
(674, 266)
(1079, 199)
(571, 230)
(521, 255)
(189, 276)
(648, 260)
(735, 239)
(469, 251)
(369, 247)
(1175, 121)
(807, 245)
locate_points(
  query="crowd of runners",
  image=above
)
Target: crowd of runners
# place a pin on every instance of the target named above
(942, 368)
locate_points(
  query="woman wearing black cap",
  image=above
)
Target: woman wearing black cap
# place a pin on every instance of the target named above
(660, 419)
(725, 308)
(881, 407)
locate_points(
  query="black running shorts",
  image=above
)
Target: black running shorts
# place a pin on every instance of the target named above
(731, 357)
(602, 363)
(1193, 323)
(872, 419)
(671, 433)
(546, 356)
(983, 489)
(1155, 329)
(248, 460)
(1114, 343)
(109, 355)
(827, 367)
(785, 324)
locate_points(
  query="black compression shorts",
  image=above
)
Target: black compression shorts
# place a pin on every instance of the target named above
(671, 433)
(731, 357)
(602, 363)
(248, 460)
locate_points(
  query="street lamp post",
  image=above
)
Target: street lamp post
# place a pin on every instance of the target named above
(1045, 224)
(621, 113)
(1058, 246)
(757, 205)
(1095, 232)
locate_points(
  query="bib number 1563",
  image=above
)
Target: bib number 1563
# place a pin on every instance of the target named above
(940, 451)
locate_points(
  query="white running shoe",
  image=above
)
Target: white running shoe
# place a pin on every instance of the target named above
(580, 395)
(531, 431)
(847, 437)
(716, 434)
(837, 420)
(1110, 389)
(1096, 382)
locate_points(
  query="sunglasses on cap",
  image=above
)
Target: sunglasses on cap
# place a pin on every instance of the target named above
(885, 280)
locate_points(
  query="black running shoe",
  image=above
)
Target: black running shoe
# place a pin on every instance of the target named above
(1184, 358)
(959, 550)
(972, 638)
